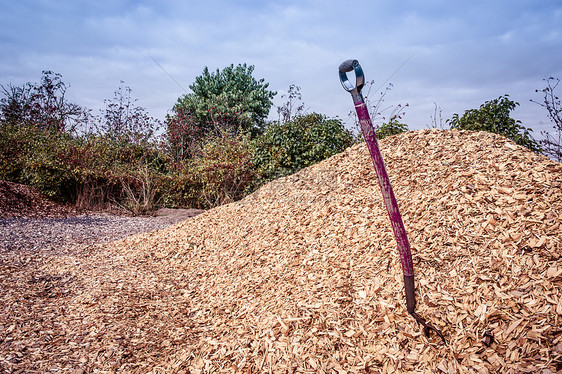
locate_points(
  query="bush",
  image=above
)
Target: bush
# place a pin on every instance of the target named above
(92, 171)
(287, 147)
(390, 128)
(183, 135)
(38, 157)
(209, 158)
(221, 172)
(50, 165)
(15, 145)
(141, 189)
(493, 116)
(40, 147)
(125, 121)
(113, 171)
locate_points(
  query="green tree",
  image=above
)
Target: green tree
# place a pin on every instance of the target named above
(286, 147)
(494, 116)
(230, 99)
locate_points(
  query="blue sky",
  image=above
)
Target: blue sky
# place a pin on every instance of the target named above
(459, 53)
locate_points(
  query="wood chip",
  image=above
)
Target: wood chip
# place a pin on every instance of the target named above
(304, 275)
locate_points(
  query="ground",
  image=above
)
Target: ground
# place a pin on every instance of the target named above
(303, 276)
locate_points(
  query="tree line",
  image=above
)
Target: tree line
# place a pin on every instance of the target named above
(215, 146)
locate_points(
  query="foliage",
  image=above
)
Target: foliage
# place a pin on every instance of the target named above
(390, 128)
(231, 99)
(114, 171)
(285, 148)
(40, 158)
(141, 189)
(552, 145)
(210, 157)
(126, 167)
(221, 172)
(15, 144)
(183, 135)
(41, 105)
(40, 147)
(91, 171)
(124, 120)
(494, 116)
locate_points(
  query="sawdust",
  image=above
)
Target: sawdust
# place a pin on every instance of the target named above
(304, 276)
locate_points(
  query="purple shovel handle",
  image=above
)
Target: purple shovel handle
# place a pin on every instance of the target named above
(389, 202)
(386, 190)
(385, 186)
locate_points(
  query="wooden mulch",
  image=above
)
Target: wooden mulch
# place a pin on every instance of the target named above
(18, 200)
(303, 276)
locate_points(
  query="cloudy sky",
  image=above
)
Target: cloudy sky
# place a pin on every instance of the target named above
(456, 54)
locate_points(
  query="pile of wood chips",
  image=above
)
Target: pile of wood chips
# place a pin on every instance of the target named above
(18, 200)
(303, 276)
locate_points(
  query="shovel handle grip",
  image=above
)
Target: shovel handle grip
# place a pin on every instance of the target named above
(346, 67)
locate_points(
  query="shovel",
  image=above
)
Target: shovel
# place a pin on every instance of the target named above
(386, 189)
